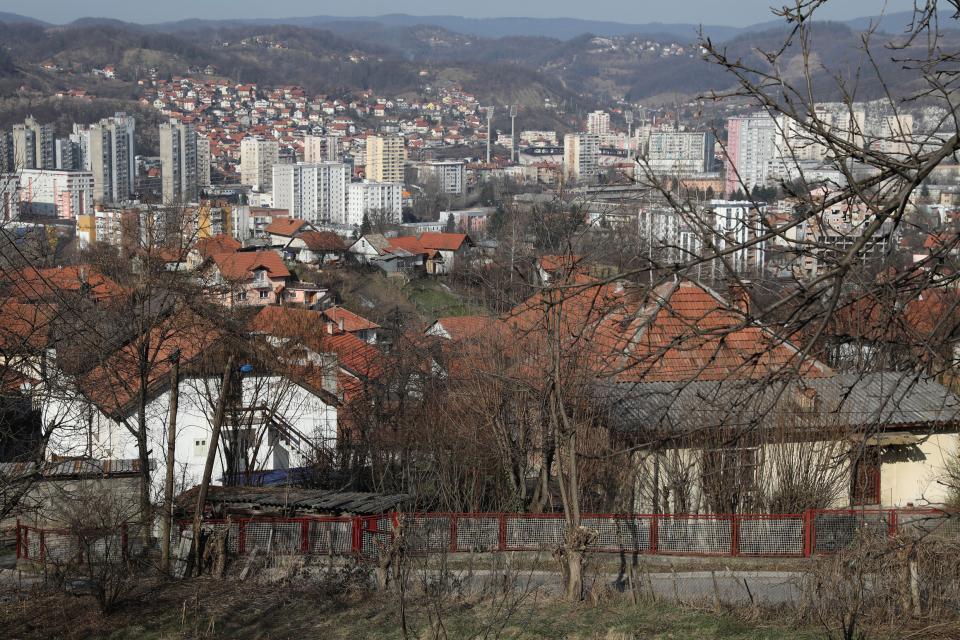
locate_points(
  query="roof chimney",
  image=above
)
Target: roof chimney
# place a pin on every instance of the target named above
(340, 323)
(740, 296)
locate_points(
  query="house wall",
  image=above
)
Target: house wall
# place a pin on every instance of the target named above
(908, 475)
(93, 433)
(914, 480)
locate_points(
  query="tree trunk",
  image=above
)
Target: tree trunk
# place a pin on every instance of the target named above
(211, 456)
(171, 461)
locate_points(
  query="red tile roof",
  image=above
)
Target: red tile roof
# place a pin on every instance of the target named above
(307, 327)
(323, 241)
(36, 285)
(114, 385)
(351, 321)
(23, 327)
(465, 327)
(410, 244)
(285, 226)
(242, 264)
(217, 244)
(679, 332)
(443, 241)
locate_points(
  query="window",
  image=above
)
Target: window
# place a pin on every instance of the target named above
(264, 295)
(199, 448)
(241, 296)
(865, 476)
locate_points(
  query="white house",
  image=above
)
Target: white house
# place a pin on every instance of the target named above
(273, 421)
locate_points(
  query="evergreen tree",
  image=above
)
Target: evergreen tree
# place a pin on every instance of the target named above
(365, 225)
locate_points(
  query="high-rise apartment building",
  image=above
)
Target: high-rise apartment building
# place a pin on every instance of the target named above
(178, 162)
(321, 149)
(598, 123)
(751, 148)
(374, 198)
(257, 157)
(110, 155)
(33, 145)
(203, 161)
(56, 194)
(679, 153)
(581, 156)
(67, 154)
(385, 158)
(448, 175)
(316, 192)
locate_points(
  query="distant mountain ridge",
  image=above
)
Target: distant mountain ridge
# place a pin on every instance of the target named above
(558, 28)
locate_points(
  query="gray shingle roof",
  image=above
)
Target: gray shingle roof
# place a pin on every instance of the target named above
(854, 401)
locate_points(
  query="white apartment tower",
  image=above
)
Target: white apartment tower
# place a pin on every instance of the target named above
(203, 161)
(750, 151)
(383, 198)
(680, 153)
(581, 156)
(385, 158)
(110, 155)
(33, 145)
(316, 192)
(449, 175)
(257, 157)
(598, 123)
(321, 149)
(178, 162)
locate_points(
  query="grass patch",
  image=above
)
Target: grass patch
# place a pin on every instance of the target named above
(248, 610)
(434, 300)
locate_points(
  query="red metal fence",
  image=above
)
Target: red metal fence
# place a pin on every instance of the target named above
(749, 535)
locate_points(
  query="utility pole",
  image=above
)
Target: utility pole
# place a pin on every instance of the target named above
(489, 131)
(211, 457)
(628, 116)
(513, 134)
(171, 461)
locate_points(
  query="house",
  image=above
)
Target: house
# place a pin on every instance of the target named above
(459, 328)
(316, 247)
(281, 414)
(248, 277)
(721, 413)
(385, 253)
(257, 278)
(340, 320)
(453, 249)
(282, 230)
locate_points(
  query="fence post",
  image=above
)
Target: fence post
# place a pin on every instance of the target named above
(502, 533)
(356, 536)
(654, 533)
(241, 537)
(809, 533)
(734, 535)
(453, 533)
(892, 523)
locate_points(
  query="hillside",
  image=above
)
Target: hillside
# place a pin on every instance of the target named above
(389, 58)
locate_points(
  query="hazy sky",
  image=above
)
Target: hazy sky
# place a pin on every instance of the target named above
(723, 12)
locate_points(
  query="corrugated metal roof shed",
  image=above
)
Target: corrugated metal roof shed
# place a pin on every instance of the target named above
(72, 468)
(292, 500)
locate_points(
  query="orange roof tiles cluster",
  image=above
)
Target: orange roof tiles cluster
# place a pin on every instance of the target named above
(443, 241)
(351, 321)
(242, 264)
(285, 226)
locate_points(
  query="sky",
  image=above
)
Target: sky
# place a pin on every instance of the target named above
(719, 12)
